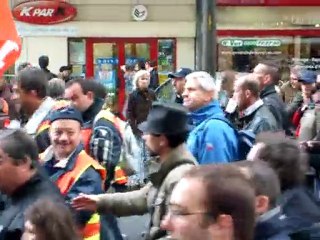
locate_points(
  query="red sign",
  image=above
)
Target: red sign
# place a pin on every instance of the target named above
(44, 12)
(10, 42)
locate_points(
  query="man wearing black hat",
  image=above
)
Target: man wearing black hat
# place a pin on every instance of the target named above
(178, 82)
(70, 167)
(166, 140)
(65, 73)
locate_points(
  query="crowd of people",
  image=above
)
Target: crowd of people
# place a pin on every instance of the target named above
(236, 163)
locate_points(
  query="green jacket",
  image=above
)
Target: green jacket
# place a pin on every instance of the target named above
(155, 196)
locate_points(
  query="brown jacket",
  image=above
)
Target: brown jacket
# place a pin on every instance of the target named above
(155, 195)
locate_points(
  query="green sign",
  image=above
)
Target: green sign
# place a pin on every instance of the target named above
(251, 42)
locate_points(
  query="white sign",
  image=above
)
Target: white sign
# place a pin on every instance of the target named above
(28, 30)
(139, 13)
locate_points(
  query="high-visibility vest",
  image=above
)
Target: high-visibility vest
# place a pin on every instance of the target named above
(65, 182)
(120, 175)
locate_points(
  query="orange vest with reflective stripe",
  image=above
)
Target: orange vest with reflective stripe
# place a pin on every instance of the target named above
(120, 176)
(67, 180)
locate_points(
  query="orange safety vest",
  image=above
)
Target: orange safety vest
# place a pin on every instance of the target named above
(65, 182)
(120, 176)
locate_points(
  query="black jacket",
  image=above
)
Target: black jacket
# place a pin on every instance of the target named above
(12, 217)
(274, 102)
(260, 120)
(154, 79)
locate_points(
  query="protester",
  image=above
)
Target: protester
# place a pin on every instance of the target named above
(31, 93)
(70, 167)
(267, 74)
(178, 82)
(49, 220)
(101, 136)
(65, 73)
(43, 64)
(167, 141)
(56, 88)
(290, 89)
(254, 115)
(21, 180)
(151, 67)
(211, 202)
(227, 87)
(290, 163)
(212, 140)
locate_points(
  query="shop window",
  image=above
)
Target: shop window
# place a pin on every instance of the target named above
(9, 75)
(309, 53)
(77, 57)
(166, 58)
(243, 54)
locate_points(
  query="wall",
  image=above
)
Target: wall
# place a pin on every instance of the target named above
(54, 47)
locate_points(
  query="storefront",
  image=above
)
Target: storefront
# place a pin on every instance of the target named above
(285, 32)
(104, 35)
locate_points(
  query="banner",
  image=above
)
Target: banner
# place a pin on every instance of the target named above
(10, 42)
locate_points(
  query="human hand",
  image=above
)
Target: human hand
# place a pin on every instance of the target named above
(85, 202)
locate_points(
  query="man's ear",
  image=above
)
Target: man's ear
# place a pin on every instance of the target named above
(33, 93)
(90, 95)
(262, 204)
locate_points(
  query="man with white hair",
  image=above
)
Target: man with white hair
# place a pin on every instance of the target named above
(212, 140)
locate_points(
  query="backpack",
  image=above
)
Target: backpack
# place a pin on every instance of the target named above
(246, 138)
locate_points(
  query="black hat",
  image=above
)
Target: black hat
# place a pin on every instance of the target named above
(181, 73)
(166, 118)
(65, 68)
(66, 113)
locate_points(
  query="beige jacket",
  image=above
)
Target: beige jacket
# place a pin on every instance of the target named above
(155, 196)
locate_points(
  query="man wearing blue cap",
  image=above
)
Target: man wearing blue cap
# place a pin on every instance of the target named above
(71, 168)
(178, 82)
(306, 129)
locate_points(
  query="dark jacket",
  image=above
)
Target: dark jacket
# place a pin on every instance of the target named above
(106, 141)
(139, 104)
(258, 118)
(12, 218)
(49, 75)
(90, 181)
(301, 207)
(274, 102)
(154, 79)
(272, 226)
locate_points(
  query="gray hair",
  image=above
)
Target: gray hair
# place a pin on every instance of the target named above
(205, 81)
(56, 87)
(137, 76)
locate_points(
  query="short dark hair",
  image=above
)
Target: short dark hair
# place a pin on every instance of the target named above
(230, 192)
(19, 146)
(285, 156)
(33, 78)
(264, 179)
(271, 69)
(252, 84)
(43, 61)
(89, 85)
(152, 63)
(177, 139)
(52, 220)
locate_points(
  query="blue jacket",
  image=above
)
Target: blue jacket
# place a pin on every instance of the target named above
(212, 140)
(89, 183)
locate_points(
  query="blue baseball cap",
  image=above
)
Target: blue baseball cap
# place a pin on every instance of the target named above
(67, 113)
(181, 73)
(307, 77)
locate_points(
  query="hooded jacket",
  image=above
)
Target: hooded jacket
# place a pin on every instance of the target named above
(212, 140)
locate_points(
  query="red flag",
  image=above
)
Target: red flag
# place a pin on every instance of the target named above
(10, 42)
